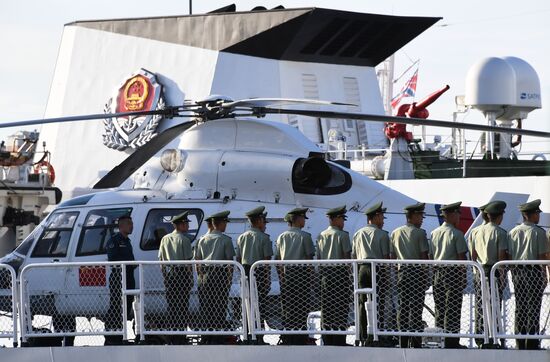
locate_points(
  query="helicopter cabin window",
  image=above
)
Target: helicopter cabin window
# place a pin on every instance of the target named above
(55, 238)
(98, 228)
(158, 224)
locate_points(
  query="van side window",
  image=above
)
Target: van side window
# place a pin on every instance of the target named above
(55, 238)
(98, 229)
(158, 224)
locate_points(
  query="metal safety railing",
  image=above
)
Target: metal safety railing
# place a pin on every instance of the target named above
(369, 299)
(8, 305)
(391, 302)
(193, 297)
(285, 297)
(520, 300)
(120, 300)
(440, 301)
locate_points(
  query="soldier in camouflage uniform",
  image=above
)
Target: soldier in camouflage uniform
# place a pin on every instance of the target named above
(215, 280)
(474, 230)
(178, 279)
(448, 243)
(371, 242)
(295, 280)
(488, 246)
(528, 241)
(410, 242)
(334, 243)
(254, 245)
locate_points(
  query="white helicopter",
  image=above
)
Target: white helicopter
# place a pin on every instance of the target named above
(228, 158)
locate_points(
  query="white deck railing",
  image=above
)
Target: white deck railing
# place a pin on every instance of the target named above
(315, 297)
(8, 304)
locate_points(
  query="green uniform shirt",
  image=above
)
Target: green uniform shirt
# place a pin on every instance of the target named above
(253, 245)
(472, 235)
(175, 246)
(527, 241)
(214, 246)
(487, 242)
(447, 242)
(294, 244)
(408, 242)
(333, 243)
(370, 242)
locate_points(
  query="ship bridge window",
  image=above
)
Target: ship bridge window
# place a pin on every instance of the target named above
(98, 228)
(55, 238)
(314, 175)
(158, 224)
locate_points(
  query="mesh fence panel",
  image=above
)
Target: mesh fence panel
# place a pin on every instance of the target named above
(192, 298)
(8, 314)
(301, 299)
(76, 300)
(424, 299)
(522, 304)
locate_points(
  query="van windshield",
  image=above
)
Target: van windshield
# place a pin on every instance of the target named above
(54, 240)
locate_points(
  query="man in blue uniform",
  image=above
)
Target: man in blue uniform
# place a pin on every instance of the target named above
(119, 248)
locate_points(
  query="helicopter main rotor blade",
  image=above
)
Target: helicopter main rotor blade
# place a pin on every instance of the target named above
(168, 112)
(126, 168)
(278, 102)
(413, 121)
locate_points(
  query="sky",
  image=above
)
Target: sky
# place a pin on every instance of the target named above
(31, 30)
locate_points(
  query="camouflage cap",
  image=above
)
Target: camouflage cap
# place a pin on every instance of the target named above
(222, 215)
(531, 206)
(299, 211)
(483, 207)
(418, 207)
(257, 211)
(375, 209)
(337, 211)
(455, 206)
(495, 207)
(180, 217)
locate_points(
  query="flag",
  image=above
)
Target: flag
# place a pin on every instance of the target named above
(408, 90)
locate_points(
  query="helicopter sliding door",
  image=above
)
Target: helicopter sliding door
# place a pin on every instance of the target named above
(86, 288)
(157, 224)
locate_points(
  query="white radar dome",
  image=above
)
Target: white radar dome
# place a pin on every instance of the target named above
(508, 86)
(527, 95)
(490, 85)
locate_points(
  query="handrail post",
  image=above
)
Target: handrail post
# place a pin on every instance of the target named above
(124, 304)
(23, 307)
(254, 317)
(244, 298)
(356, 301)
(487, 332)
(141, 303)
(374, 303)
